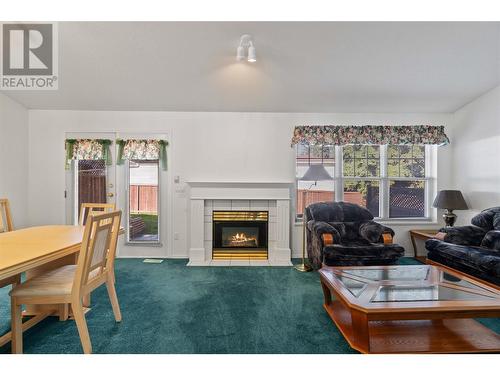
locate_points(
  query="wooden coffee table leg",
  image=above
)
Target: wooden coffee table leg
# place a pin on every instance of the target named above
(360, 330)
(326, 293)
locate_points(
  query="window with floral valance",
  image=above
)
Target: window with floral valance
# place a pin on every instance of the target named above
(142, 149)
(390, 170)
(88, 149)
(370, 135)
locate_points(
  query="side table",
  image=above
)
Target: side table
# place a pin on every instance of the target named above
(421, 234)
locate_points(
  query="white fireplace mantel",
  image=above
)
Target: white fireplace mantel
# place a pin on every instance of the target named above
(205, 196)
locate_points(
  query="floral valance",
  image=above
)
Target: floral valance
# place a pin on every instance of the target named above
(88, 149)
(142, 149)
(380, 135)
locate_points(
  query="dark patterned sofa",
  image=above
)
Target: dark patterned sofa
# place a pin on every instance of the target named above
(472, 249)
(344, 234)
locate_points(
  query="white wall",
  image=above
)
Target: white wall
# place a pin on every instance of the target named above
(476, 154)
(203, 146)
(14, 158)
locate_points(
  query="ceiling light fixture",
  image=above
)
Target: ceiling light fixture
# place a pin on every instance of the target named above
(252, 56)
(240, 53)
(246, 43)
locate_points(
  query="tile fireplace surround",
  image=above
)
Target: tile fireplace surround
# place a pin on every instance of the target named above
(205, 197)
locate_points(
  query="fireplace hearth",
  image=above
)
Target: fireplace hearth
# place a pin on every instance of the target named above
(240, 234)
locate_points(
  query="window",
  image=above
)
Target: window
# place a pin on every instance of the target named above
(143, 202)
(361, 172)
(406, 173)
(392, 182)
(307, 191)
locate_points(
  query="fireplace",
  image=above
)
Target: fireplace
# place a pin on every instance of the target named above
(240, 234)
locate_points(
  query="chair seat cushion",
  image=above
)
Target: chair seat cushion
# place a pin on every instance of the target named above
(56, 282)
(360, 253)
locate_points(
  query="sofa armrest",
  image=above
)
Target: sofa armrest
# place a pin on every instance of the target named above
(387, 235)
(376, 233)
(387, 238)
(324, 231)
(319, 235)
(328, 239)
(468, 235)
(492, 240)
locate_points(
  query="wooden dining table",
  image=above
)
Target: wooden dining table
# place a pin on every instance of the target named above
(36, 250)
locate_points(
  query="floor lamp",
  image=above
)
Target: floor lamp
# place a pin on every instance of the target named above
(315, 172)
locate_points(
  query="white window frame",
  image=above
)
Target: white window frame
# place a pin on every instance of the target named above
(384, 181)
(128, 242)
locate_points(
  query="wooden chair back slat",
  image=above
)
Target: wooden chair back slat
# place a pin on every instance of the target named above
(87, 208)
(5, 216)
(98, 247)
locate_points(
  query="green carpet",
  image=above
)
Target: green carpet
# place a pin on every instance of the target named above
(170, 308)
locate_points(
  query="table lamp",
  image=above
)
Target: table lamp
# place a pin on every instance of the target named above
(450, 200)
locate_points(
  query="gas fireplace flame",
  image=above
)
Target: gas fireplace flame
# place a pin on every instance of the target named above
(242, 239)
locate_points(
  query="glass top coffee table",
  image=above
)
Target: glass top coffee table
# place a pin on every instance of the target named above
(410, 309)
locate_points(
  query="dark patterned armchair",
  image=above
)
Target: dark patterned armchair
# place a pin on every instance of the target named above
(472, 249)
(344, 234)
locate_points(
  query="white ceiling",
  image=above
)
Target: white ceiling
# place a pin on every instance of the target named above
(301, 67)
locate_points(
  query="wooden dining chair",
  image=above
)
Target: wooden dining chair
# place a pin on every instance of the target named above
(7, 226)
(87, 208)
(5, 216)
(69, 284)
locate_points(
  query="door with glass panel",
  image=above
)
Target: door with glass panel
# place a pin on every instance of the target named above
(142, 190)
(89, 177)
(143, 201)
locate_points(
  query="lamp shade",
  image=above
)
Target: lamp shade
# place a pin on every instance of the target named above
(450, 199)
(316, 172)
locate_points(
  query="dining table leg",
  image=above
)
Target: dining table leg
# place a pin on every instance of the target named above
(16, 327)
